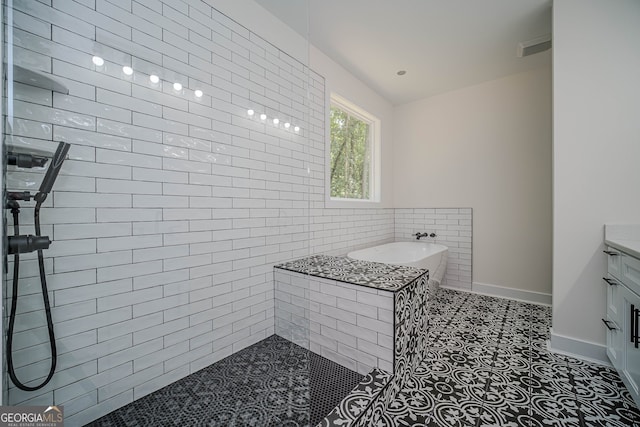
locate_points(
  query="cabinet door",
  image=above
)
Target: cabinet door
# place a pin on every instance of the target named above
(631, 329)
(615, 344)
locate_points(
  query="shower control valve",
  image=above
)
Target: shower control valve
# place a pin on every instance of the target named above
(26, 243)
(24, 160)
(19, 195)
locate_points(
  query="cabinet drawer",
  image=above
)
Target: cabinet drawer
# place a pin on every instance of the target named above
(630, 272)
(613, 261)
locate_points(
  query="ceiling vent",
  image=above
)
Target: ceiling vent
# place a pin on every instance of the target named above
(537, 45)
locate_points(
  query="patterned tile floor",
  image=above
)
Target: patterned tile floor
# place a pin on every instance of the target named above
(487, 365)
(272, 383)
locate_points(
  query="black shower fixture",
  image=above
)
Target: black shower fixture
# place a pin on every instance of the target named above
(27, 243)
(24, 160)
(52, 172)
(17, 195)
(18, 244)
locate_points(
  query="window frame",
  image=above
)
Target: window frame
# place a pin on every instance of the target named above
(375, 134)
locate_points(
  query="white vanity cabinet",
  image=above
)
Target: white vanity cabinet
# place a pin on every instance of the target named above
(613, 321)
(623, 316)
(631, 368)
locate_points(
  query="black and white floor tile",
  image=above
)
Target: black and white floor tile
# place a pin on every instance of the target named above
(487, 365)
(376, 275)
(271, 383)
(352, 407)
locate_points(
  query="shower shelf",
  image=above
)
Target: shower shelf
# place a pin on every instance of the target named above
(37, 79)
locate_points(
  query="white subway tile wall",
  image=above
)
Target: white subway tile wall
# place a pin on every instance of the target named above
(338, 231)
(171, 209)
(348, 324)
(453, 228)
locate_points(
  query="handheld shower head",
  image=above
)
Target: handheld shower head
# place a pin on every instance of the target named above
(52, 172)
(18, 244)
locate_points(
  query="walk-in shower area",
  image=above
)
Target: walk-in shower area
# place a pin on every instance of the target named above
(160, 160)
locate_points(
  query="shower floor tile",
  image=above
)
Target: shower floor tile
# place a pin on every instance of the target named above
(271, 383)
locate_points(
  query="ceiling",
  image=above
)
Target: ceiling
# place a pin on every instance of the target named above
(442, 44)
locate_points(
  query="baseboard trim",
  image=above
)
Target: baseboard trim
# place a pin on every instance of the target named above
(510, 293)
(580, 349)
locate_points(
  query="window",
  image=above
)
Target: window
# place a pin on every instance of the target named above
(354, 154)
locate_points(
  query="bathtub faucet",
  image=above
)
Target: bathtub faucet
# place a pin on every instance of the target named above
(419, 235)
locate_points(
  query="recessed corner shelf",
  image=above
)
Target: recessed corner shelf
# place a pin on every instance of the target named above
(37, 79)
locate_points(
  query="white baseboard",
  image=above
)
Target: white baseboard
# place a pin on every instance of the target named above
(510, 293)
(585, 350)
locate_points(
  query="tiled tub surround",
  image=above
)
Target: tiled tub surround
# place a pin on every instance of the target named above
(359, 314)
(453, 227)
(339, 231)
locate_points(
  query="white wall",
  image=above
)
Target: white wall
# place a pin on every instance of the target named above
(596, 100)
(488, 147)
(340, 81)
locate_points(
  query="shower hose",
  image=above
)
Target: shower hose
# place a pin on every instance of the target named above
(39, 198)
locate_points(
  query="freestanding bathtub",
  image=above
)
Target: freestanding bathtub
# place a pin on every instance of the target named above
(425, 255)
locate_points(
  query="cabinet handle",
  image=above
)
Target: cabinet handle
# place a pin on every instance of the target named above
(633, 329)
(611, 253)
(635, 313)
(611, 282)
(609, 327)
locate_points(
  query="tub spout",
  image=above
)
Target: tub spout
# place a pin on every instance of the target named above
(419, 235)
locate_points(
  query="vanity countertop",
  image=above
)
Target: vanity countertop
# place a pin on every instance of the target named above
(631, 247)
(624, 237)
(385, 277)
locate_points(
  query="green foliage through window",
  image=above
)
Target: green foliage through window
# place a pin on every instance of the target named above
(350, 156)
